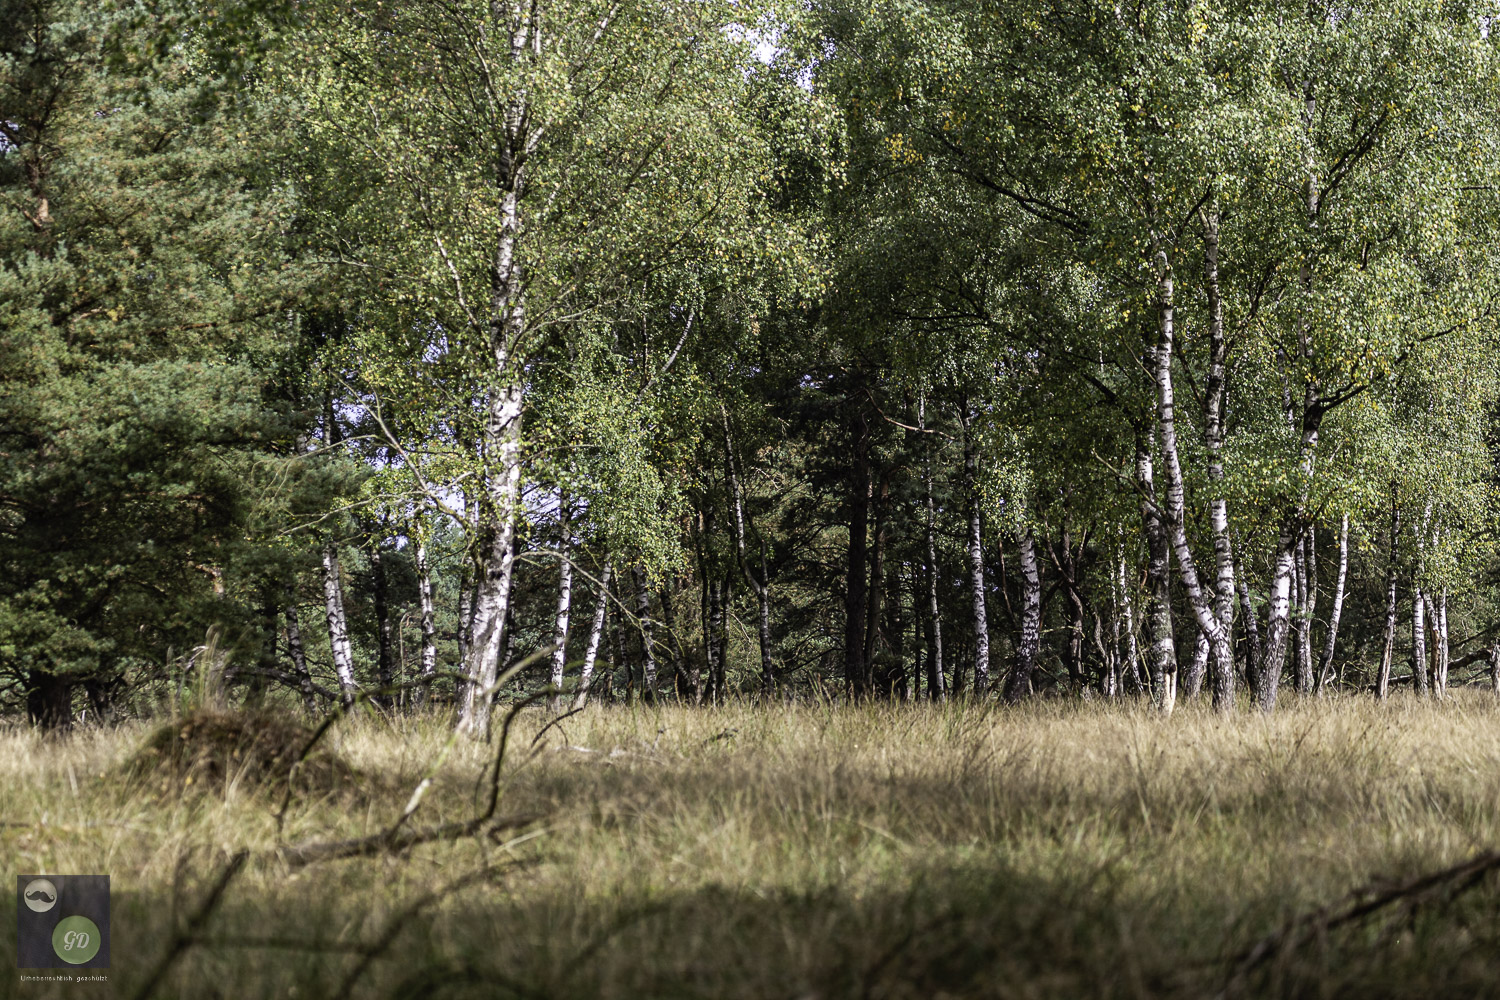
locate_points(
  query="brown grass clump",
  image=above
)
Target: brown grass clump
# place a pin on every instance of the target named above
(211, 748)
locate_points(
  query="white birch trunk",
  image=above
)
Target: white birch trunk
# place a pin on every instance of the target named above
(429, 619)
(936, 690)
(596, 632)
(1418, 638)
(1217, 634)
(975, 547)
(1325, 664)
(1383, 681)
(1019, 684)
(338, 625)
(559, 659)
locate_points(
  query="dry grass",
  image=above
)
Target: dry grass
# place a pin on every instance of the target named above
(1060, 850)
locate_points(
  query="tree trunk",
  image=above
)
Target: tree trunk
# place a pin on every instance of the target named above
(671, 625)
(1439, 617)
(1019, 684)
(384, 654)
(338, 625)
(429, 618)
(935, 681)
(719, 639)
(1495, 669)
(617, 643)
(975, 546)
(762, 587)
(855, 668)
(1295, 521)
(502, 443)
(559, 658)
(1302, 675)
(1174, 515)
(1325, 664)
(1383, 681)
(504, 326)
(596, 632)
(1192, 684)
(465, 628)
(49, 700)
(1162, 663)
(648, 642)
(874, 602)
(1418, 638)
(1132, 661)
(1215, 390)
(1307, 679)
(297, 652)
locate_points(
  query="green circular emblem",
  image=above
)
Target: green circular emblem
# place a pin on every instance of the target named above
(75, 939)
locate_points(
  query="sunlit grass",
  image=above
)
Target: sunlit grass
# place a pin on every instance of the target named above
(1062, 849)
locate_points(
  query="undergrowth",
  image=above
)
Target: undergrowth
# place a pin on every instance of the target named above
(806, 851)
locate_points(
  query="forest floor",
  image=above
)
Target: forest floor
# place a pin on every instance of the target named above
(1057, 850)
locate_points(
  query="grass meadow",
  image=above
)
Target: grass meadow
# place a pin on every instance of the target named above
(1058, 850)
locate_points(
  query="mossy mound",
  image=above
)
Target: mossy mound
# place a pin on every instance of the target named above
(209, 748)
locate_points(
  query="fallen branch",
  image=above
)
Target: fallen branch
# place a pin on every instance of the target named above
(184, 937)
(1357, 906)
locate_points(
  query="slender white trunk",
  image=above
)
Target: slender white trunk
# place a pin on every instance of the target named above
(1158, 612)
(1215, 391)
(1216, 634)
(1019, 684)
(1132, 661)
(1325, 664)
(975, 546)
(596, 632)
(338, 624)
(429, 618)
(936, 691)
(1440, 685)
(1302, 640)
(1383, 680)
(1418, 638)
(564, 604)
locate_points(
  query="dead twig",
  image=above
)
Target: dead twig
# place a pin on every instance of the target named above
(184, 937)
(1358, 905)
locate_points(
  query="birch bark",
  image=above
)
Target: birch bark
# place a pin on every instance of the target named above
(429, 618)
(975, 552)
(1019, 684)
(559, 658)
(935, 682)
(596, 633)
(1388, 650)
(1325, 663)
(338, 625)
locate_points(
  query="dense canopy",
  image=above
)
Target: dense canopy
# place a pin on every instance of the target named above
(428, 352)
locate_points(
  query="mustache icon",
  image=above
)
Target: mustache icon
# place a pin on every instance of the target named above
(42, 895)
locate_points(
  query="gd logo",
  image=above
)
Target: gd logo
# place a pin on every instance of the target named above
(75, 939)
